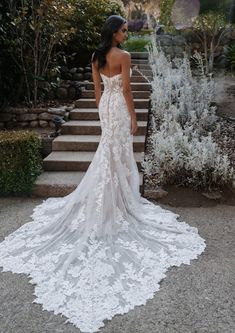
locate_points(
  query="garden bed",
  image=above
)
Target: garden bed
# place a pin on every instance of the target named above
(180, 196)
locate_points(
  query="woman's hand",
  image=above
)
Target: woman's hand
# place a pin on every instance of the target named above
(134, 125)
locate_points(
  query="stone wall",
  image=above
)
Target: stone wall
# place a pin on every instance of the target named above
(76, 74)
(70, 88)
(34, 117)
(70, 85)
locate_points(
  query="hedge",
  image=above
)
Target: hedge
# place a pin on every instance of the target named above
(20, 161)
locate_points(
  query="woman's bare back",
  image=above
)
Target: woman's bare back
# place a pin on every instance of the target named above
(114, 60)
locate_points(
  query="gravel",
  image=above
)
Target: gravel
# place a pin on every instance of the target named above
(195, 298)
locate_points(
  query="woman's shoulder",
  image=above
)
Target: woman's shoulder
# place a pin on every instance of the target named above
(121, 51)
(123, 54)
(116, 49)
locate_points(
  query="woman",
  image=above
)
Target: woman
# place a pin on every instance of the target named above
(111, 59)
(102, 249)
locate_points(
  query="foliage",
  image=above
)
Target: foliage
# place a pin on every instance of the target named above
(87, 19)
(211, 28)
(181, 148)
(165, 14)
(231, 55)
(145, 32)
(138, 41)
(39, 36)
(228, 57)
(225, 7)
(136, 44)
(32, 30)
(20, 161)
(9, 71)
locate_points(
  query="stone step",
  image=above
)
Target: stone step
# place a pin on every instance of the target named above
(92, 114)
(92, 127)
(137, 78)
(144, 66)
(75, 161)
(135, 86)
(88, 143)
(137, 72)
(140, 103)
(139, 55)
(136, 94)
(139, 61)
(60, 183)
(147, 72)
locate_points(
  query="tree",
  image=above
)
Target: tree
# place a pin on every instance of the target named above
(212, 26)
(35, 28)
(165, 12)
(9, 73)
(34, 33)
(226, 7)
(88, 19)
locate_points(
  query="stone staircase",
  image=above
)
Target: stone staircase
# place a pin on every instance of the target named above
(73, 150)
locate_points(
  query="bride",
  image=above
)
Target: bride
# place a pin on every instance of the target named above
(102, 249)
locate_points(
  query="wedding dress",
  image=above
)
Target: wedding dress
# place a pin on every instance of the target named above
(102, 249)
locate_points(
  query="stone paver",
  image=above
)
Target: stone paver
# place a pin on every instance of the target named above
(196, 298)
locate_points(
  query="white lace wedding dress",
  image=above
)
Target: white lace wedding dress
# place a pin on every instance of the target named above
(102, 249)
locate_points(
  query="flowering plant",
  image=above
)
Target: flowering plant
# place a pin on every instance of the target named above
(180, 147)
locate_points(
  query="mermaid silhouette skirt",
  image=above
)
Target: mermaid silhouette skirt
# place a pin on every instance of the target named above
(102, 249)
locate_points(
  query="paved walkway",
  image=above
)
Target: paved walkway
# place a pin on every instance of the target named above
(194, 298)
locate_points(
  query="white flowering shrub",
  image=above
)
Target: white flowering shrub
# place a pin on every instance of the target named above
(180, 147)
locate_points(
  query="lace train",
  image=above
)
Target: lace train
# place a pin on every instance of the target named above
(102, 249)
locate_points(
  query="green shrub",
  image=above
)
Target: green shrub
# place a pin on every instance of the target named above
(20, 161)
(165, 14)
(87, 20)
(136, 45)
(144, 32)
(37, 37)
(231, 56)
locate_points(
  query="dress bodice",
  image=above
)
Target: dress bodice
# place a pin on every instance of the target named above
(113, 83)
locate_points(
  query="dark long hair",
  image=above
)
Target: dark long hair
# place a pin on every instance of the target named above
(111, 25)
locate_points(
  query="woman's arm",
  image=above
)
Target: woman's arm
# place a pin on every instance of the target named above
(97, 81)
(127, 92)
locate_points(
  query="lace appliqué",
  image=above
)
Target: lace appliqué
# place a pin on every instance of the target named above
(103, 249)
